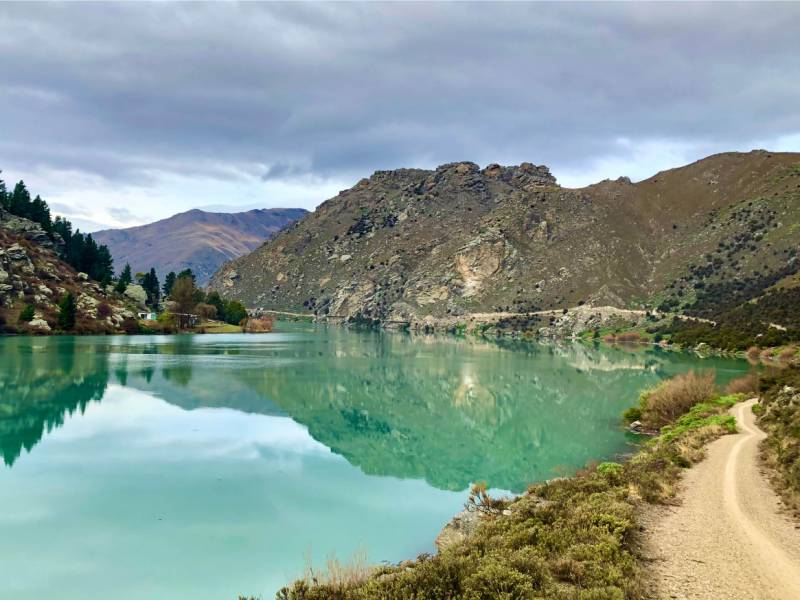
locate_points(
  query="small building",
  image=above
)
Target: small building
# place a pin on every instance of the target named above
(148, 316)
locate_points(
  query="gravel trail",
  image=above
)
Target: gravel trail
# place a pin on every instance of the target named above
(728, 539)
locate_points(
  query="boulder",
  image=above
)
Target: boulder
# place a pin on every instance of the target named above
(40, 324)
(458, 529)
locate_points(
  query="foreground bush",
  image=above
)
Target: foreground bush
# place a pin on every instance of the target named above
(673, 397)
(568, 538)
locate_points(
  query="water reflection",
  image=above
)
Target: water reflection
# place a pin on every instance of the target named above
(440, 409)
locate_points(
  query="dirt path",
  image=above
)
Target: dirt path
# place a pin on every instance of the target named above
(728, 539)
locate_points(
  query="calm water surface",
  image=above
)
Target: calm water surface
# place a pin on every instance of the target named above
(208, 466)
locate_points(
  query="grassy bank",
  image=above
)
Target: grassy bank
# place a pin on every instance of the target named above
(779, 416)
(572, 538)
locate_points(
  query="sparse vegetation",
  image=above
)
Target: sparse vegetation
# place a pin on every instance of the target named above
(780, 417)
(567, 538)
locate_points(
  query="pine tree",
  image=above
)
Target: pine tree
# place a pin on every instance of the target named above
(124, 280)
(20, 203)
(67, 309)
(169, 281)
(215, 300)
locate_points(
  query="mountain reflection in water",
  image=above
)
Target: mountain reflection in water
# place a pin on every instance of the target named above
(446, 410)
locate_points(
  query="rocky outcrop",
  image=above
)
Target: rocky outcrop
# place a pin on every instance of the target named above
(425, 247)
(33, 274)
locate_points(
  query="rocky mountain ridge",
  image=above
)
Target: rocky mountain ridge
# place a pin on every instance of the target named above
(424, 246)
(196, 239)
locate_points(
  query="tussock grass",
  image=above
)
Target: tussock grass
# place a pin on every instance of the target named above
(574, 538)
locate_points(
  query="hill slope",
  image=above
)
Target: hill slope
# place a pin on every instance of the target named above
(412, 245)
(199, 240)
(32, 273)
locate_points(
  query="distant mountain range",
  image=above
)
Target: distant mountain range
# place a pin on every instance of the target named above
(197, 240)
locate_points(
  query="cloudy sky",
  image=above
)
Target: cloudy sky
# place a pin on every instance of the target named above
(124, 113)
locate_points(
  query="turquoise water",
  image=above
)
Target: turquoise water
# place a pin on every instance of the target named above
(210, 466)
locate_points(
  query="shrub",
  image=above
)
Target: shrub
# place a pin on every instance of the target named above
(675, 396)
(104, 310)
(258, 325)
(753, 352)
(787, 353)
(67, 310)
(206, 311)
(746, 384)
(630, 337)
(27, 313)
(131, 326)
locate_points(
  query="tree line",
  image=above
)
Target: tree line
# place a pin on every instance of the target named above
(181, 292)
(80, 251)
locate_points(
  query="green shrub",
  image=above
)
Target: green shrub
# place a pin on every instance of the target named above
(27, 313)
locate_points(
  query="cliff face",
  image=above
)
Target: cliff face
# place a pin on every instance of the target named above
(31, 273)
(412, 244)
(197, 240)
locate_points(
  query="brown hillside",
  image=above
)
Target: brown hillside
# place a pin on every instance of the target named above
(197, 240)
(411, 243)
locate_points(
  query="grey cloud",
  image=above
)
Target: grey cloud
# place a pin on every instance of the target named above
(278, 91)
(121, 213)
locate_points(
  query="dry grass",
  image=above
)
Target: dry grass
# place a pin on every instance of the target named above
(787, 353)
(259, 325)
(673, 397)
(336, 577)
(746, 384)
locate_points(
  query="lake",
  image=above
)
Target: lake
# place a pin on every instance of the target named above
(206, 467)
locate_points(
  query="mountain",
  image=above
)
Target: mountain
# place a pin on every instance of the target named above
(427, 246)
(198, 240)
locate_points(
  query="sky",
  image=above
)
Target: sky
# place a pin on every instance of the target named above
(121, 114)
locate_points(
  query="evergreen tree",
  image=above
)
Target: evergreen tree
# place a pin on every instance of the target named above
(235, 312)
(188, 273)
(124, 280)
(27, 313)
(169, 281)
(215, 300)
(20, 203)
(67, 309)
(40, 213)
(3, 194)
(149, 281)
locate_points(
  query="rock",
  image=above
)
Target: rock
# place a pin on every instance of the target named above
(345, 257)
(83, 276)
(136, 293)
(458, 529)
(636, 426)
(40, 324)
(88, 305)
(3, 276)
(16, 252)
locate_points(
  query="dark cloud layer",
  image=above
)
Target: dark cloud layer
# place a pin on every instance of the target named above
(127, 91)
